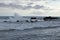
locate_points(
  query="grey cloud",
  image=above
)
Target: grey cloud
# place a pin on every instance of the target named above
(10, 5)
(28, 0)
(35, 0)
(15, 6)
(27, 7)
(34, 7)
(30, 3)
(20, 6)
(38, 7)
(3, 5)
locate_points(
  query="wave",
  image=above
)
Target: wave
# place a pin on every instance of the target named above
(8, 30)
(49, 27)
(33, 28)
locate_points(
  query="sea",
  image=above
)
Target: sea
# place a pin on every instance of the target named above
(43, 30)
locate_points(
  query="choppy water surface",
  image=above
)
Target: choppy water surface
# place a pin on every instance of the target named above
(29, 34)
(34, 34)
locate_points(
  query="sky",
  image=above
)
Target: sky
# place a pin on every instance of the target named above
(30, 7)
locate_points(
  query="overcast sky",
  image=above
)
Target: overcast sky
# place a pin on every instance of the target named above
(30, 7)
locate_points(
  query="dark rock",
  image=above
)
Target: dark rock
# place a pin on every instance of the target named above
(49, 18)
(17, 21)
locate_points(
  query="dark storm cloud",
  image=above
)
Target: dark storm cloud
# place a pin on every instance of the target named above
(20, 6)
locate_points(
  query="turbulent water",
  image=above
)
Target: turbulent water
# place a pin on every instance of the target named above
(26, 25)
(43, 30)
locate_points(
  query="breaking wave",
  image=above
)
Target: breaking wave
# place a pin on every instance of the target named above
(29, 26)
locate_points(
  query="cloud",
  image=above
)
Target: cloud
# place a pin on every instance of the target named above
(38, 7)
(20, 6)
(10, 5)
(30, 3)
(3, 5)
(26, 7)
(36, 0)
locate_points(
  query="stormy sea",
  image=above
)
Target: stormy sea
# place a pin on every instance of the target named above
(43, 30)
